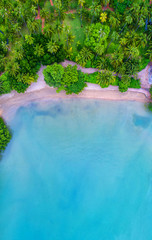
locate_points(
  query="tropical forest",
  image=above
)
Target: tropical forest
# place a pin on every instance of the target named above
(113, 36)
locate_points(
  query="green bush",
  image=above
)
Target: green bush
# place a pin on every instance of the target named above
(5, 135)
(120, 6)
(70, 75)
(150, 91)
(53, 75)
(124, 83)
(91, 78)
(78, 86)
(116, 83)
(69, 79)
(96, 38)
(30, 63)
(149, 106)
(135, 83)
(41, 3)
(112, 48)
(144, 62)
(5, 86)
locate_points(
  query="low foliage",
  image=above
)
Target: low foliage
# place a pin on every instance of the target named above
(96, 37)
(53, 75)
(149, 106)
(120, 6)
(78, 86)
(69, 79)
(124, 83)
(150, 91)
(5, 86)
(5, 135)
(135, 83)
(70, 75)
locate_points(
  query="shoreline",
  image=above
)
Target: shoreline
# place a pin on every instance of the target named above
(11, 102)
(40, 91)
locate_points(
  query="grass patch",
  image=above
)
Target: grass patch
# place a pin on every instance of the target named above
(77, 30)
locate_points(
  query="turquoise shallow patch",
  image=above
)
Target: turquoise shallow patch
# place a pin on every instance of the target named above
(78, 170)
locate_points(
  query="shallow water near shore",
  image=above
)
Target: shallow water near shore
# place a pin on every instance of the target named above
(78, 170)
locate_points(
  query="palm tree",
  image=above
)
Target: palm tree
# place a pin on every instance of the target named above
(117, 59)
(81, 3)
(34, 10)
(44, 13)
(132, 52)
(48, 30)
(114, 20)
(69, 36)
(17, 29)
(59, 9)
(99, 49)
(123, 41)
(52, 47)
(129, 19)
(4, 46)
(105, 78)
(18, 54)
(39, 51)
(103, 17)
(106, 2)
(84, 56)
(12, 68)
(115, 35)
(33, 26)
(142, 40)
(149, 52)
(95, 10)
(59, 29)
(26, 78)
(29, 39)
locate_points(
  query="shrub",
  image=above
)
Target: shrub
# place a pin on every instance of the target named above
(70, 75)
(5, 86)
(124, 83)
(135, 83)
(144, 62)
(149, 106)
(96, 38)
(53, 75)
(5, 135)
(150, 91)
(47, 59)
(78, 86)
(116, 83)
(68, 79)
(112, 48)
(91, 78)
(122, 5)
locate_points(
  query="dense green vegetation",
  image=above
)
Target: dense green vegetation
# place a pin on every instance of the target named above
(68, 79)
(116, 39)
(73, 81)
(5, 136)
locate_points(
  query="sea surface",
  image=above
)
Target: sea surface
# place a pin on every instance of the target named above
(78, 170)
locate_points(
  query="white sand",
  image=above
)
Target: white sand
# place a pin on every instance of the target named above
(41, 91)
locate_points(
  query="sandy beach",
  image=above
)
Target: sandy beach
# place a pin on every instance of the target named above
(40, 91)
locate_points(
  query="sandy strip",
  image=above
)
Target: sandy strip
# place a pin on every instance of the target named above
(9, 105)
(39, 91)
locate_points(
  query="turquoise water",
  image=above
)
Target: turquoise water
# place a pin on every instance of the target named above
(78, 170)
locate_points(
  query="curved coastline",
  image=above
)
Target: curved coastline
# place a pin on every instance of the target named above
(40, 91)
